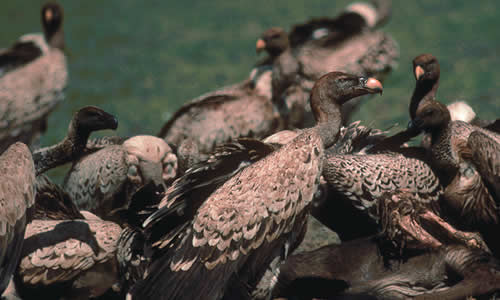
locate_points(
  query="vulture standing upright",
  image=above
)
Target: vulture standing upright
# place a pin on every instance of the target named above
(33, 77)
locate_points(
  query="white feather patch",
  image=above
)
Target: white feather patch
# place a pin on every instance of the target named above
(366, 10)
(38, 39)
(461, 111)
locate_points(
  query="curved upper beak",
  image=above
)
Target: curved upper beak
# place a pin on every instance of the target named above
(414, 125)
(261, 45)
(373, 85)
(419, 72)
(111, 121)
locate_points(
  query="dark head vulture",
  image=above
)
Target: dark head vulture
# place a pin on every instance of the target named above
(52, 20)
(274, 41)
(426, 71)
(430, 115)
(426, 67)
(331, 91)
(91, 118)
(84, 122)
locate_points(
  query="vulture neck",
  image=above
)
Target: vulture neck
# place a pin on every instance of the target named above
(425, 90)
(325, 105)
(65, 151)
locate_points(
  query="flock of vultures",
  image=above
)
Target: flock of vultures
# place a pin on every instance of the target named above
(243, 192)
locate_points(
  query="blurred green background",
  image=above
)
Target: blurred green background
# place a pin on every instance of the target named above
(140, 60)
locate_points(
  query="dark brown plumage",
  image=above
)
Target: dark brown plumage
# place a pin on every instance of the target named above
(33, 77)
(17, 196)
(467, 157)
(255, 215)
(52, 202)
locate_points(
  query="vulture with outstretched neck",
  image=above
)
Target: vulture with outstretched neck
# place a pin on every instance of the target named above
(254, 217)
(33, 76)
(85, 121)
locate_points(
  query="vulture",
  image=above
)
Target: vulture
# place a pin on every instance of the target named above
(216, 117)
(17, 197)
(105, 180)
(33, 76)
(252, 218)
(468, 161)
(72, 254)
(84, 122)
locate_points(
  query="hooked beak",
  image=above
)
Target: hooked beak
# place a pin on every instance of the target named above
(414, 125)
(111, 121)
(419, 72)
(372, 85)
(260, 46)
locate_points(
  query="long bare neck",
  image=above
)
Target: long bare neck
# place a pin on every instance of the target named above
(63, 152)
(328, 116)
(424, 91)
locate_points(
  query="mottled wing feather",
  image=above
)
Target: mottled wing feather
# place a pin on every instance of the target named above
(486, 157)
(365, 178)
(57, 251)
(217, 118)
(94, 179)
(188, 192)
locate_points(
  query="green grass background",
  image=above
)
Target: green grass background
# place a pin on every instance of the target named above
(140, 60)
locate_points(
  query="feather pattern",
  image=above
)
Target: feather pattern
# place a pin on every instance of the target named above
(105, 180)
(227, 227)
(216, 118)
(365, 178)
(74, 255)
(17, 197)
